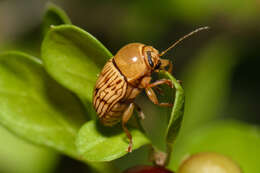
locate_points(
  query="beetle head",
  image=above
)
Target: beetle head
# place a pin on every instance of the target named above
(152, 56)
(136, 60)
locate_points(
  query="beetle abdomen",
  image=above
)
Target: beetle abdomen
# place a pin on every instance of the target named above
(109, 90)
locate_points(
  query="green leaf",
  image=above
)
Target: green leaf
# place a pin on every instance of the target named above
(98, 143)
(16, 154)
(35, 107)
(235, 139)
(54, 15)
(74, 58)
(175, 120)
(177, 110)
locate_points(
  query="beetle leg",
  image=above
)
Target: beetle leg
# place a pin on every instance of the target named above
(166, 62)
(161, 81)
(126, 116)
(140, 112)
(159, 90)
(152, 96)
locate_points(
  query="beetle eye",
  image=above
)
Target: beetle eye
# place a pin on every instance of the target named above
(158, 65)
(149, 55)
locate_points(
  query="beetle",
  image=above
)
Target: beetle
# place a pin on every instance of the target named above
(124, 76)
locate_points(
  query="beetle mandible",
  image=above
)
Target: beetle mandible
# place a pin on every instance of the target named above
(124, 76)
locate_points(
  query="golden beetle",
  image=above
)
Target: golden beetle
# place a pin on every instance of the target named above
(124, 76)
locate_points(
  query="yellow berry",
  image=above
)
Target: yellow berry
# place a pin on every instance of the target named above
(209, 163)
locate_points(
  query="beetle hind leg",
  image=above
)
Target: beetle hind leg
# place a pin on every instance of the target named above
(126, 116)
(139, 111)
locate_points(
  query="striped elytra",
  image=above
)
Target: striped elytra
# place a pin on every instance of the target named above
(110, 91)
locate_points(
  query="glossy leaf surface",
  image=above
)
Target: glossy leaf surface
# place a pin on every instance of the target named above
(74, 58)
(35, 107)
(98, 143)
(14, 155)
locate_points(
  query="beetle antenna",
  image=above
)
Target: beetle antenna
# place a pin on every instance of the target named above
(182, 38)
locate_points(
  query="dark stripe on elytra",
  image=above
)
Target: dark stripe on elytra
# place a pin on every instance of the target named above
(107, 82)
(110, 104)
(113, 61)
(105, 78)
(118, 96)
(105, 103)
(102, 100)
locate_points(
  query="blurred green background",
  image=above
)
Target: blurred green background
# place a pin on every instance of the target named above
(219, 69)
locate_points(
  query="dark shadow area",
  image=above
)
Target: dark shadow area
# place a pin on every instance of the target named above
(68, 165)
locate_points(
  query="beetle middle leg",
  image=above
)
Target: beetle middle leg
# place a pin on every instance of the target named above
(126, 116)
(152, 96)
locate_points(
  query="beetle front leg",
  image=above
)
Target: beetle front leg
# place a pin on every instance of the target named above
(152, 96)
(160, 82)
(165, 63)
(126, 116)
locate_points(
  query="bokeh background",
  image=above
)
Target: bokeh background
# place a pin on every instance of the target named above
(219, 69)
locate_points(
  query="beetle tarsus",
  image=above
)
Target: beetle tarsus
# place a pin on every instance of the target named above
(180, 81)
(165, 104)
(130, 146)
(126, 116)
(159, 90)
(141, 115)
